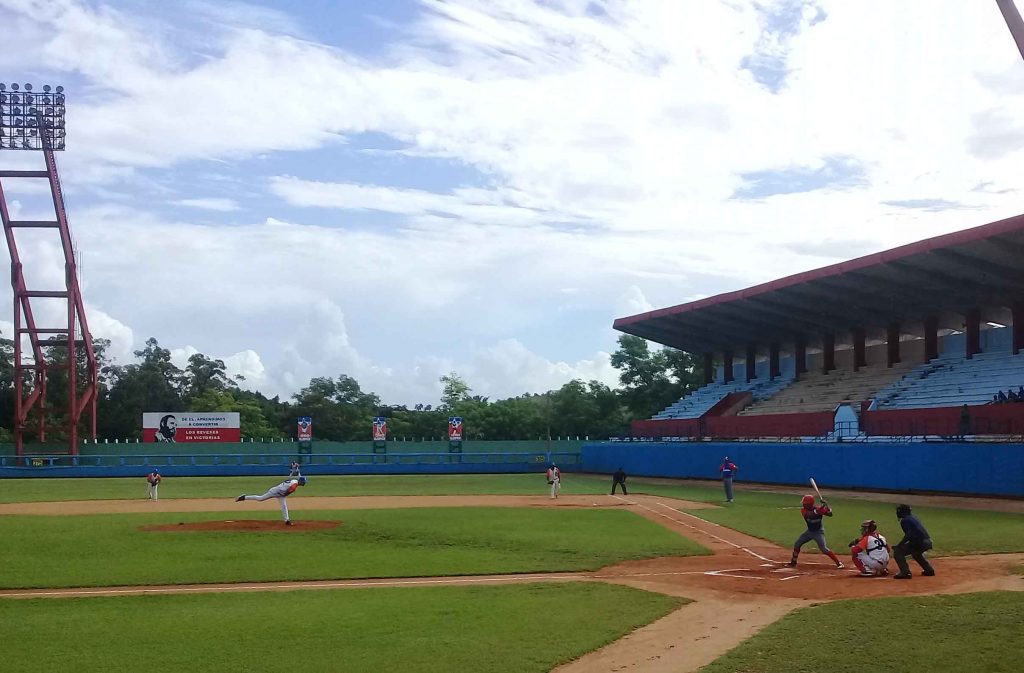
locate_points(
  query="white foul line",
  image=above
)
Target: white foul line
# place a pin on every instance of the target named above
(692, 527)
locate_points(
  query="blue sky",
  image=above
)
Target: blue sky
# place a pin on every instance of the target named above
(398, 189)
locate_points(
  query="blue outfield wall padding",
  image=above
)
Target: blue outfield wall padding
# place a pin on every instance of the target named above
(969, 468)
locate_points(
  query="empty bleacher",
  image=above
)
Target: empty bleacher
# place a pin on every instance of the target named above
(816, 391)
(953, 380)
(698, 402)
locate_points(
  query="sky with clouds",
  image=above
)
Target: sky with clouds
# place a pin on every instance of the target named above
(395, 189)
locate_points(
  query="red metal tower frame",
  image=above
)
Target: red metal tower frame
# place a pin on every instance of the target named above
(80, 397)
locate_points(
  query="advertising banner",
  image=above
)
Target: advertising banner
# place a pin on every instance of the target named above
(380, 429)
(191, 426)
(305, 429)
(455, 429)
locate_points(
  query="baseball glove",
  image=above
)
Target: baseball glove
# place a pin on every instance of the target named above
(550, 482)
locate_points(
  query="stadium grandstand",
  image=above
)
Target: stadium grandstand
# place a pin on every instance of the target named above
(923, 340)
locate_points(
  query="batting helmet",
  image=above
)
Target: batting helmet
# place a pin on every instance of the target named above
(868, 526)
(302, 481)
(808, 501)
(902, 511)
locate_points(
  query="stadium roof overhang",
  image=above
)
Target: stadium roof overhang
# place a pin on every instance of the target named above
(950, 275)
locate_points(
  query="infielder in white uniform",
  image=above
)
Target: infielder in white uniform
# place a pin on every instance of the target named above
(281, 492)
(870, 551)
(555, 479)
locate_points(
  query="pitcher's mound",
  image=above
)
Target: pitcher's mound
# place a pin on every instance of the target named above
(238, 525)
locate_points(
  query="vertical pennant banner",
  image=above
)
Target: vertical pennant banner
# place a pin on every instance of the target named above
(305, 429)
(455, 429)
(380, 429)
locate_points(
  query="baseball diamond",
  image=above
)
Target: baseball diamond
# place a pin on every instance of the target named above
(736, 585)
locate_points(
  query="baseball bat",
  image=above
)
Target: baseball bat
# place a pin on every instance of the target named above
(814, 484)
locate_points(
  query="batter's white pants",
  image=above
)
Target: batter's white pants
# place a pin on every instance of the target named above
(267, 496)
(873, 564)
(556, 486)
(152, 491)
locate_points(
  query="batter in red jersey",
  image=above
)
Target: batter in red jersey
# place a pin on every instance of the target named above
(813, 516)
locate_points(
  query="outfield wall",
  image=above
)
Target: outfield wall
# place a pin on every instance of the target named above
(319, 447)
(971, 468)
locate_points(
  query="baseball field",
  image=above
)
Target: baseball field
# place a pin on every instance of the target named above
(487, 573)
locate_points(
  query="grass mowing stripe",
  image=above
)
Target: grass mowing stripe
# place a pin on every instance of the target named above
(938, 634)
(110, 549)
(508, 629)
(52, 490)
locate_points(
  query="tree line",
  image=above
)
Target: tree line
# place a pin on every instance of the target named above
(650, 379)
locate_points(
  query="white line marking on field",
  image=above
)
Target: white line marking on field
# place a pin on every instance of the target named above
(692, 527)
(793, 577)
(728, 573)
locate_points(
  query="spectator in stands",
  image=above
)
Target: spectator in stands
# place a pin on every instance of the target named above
(965, 421)
(1013, 396)
(1020, 394)
(995, 399)
(728, 469)
(1003, 397)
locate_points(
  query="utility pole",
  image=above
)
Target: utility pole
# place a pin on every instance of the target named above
(1013, 22)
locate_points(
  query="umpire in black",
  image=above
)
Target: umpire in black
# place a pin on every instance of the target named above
(619, 479)
(915, 542)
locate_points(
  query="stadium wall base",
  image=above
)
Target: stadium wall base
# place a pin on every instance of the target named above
(955, 467)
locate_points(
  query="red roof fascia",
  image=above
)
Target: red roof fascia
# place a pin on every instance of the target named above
(961, 237)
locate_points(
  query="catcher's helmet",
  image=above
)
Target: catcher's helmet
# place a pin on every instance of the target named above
(808, 501)
(868, 526)
(302, 481)
(902, 511)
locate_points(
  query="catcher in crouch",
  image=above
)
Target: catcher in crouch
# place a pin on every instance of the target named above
(870, 551)
(813, 515)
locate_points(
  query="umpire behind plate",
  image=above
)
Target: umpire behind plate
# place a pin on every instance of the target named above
(915, 542)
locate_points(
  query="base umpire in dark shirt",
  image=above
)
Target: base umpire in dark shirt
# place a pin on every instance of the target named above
(915, 542)
(619, 479)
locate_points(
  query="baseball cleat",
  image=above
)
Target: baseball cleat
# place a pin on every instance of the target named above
(791, 564)
(866, 573)
(928, 573)
(287, 523)
(885, 571)
(902, 576)
(240, 498)
(840, 566)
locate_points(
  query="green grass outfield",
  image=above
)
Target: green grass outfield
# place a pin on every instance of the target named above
(513, 629)
(107, 550)
(771, 516)
(47, 490)
(972, 633)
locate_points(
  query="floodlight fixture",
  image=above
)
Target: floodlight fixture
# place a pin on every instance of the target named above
(31, 120)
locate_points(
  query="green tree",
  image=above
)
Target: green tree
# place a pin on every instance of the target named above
(652, 380)
(454, 390)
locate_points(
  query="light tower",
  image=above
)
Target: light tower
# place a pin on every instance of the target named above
(34, 120)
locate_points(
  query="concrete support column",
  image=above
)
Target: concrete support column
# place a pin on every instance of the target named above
(709, 367)
(859, 345)
(828, 352)
(773, 361)
(751, 362)
(972, 322)
(727, 366)
(1018, 327)
(931, 338)
(800, 354)
(892, 344)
